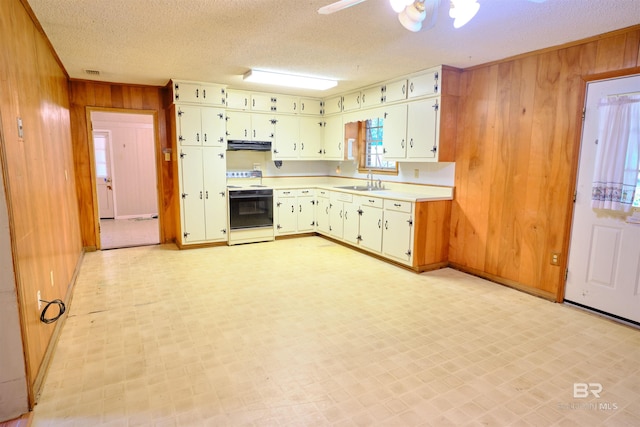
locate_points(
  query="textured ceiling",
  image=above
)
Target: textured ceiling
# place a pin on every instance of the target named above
(151, 41)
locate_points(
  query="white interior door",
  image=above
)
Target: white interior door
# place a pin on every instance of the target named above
(104, 184)
(604, 256)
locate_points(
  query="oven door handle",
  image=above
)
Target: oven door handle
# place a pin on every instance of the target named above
(248, 196)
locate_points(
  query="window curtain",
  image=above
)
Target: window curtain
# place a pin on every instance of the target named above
(616, 168)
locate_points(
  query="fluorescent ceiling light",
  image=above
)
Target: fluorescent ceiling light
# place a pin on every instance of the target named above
(280, 79)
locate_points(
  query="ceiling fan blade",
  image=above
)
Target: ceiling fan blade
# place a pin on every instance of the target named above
(339, 5)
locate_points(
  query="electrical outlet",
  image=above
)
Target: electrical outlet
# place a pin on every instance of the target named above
(39, 302)
(555, 258)
(416, 173)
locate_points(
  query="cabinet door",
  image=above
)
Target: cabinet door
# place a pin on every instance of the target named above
(424, 84)
(215, 187)
(189, 125)
(310, 106)
(333, 138)
(395, 132)
(287, 104)
(310, 137)
(286, 212)
(262, 126)
(351, 222)
(286, 143)
(306, 211)
(371, 97)
(192, 195)
(351, 101)
(213, 126)
(238, 126)
(371, 228)
(397, 236)
(186, 92)
(395, 91)
(262, 102)
(213, 95)
(238, 100)
(422, 130)
(322, 215)
(336, 219)
(333, 105)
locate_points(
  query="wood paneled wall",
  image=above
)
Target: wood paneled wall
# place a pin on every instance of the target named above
(38, 176)
(516, 154)
(123, 97)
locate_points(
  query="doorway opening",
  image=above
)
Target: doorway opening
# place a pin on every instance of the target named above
(125, 179)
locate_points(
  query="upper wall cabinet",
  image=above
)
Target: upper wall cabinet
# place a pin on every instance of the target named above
(238, 99)
(333, 105)
(371, 97)
(351, 101)
(395, 91)
(311, 106)
(427, 84)
(198, 93)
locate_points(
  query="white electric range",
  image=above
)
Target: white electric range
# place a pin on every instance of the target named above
(250, 208)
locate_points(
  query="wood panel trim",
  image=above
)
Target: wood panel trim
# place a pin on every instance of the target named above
(558, 47)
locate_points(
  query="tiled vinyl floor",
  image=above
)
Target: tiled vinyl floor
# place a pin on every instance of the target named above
(305, 332)
(123, 233)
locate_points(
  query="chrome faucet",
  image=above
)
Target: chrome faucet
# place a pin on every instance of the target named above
(370, 179)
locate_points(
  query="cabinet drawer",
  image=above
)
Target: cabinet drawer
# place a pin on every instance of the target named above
(304, 192)
(323, 193)
(285, 193)
(374, 202)
(337, 196)
(397, 205)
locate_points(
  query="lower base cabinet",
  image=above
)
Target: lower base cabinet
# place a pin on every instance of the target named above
(414, 234)
(294, 211)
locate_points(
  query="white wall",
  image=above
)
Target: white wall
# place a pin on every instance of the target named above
(13, 380)
(134, 163)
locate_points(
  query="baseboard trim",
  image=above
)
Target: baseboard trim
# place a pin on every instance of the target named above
(53, 342)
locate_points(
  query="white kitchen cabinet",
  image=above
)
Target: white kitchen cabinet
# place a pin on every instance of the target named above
(242, 125)
(263, 102)
(351, 101)
(333, 138)
(426, 84)
(295, 211)
(202, 126)
(343, 217)
(333, 105)
(370, 234)
(395, 91)
(411, 131)
(286, 143)
(371, 97)
(285, 104)
(198, 93)
(238, 99)
(322, 211)
(286, 217)
(310, 106)
(202, 186)
(310, 137)
(394, 137)
(423, 123)
(397, 233)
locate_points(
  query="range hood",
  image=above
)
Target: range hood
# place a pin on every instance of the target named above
(239, 145)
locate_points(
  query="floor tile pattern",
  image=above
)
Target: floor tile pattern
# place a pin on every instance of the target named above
(123, 233)
(306, 332)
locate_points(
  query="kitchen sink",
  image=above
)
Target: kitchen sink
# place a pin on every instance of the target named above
(359, 188)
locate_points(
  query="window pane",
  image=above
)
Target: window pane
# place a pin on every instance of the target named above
(374, 150)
